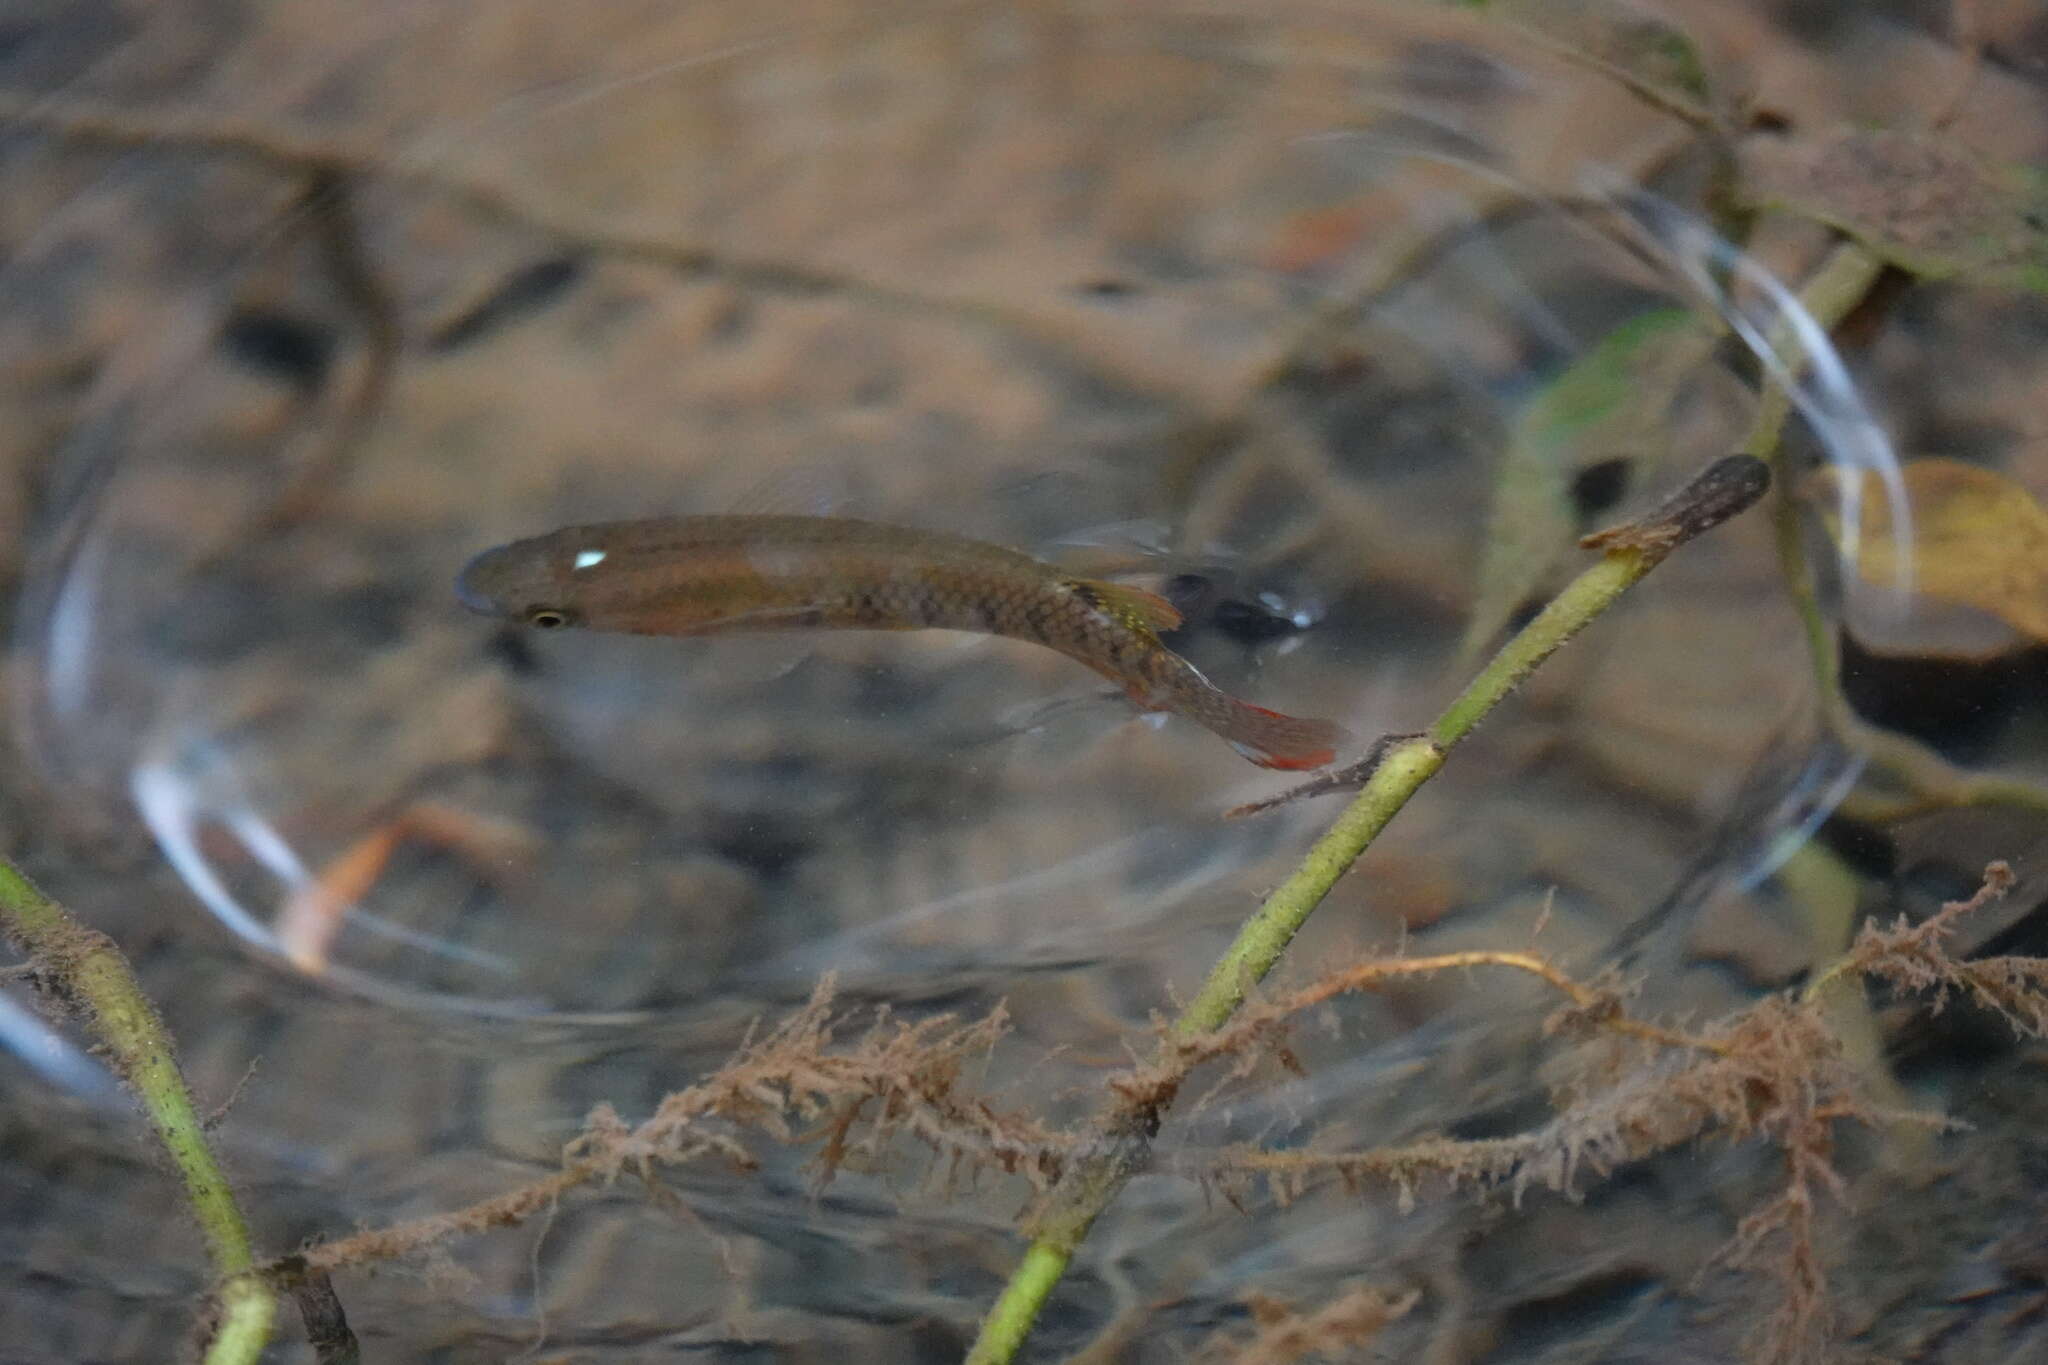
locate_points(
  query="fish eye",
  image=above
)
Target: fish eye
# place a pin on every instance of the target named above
(546, 618)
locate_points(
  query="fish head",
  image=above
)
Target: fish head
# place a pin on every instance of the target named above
(532, 582)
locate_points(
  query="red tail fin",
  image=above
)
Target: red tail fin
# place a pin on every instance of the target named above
(1273, 740)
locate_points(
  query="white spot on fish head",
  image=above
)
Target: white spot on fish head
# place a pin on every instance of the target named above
(589, 559)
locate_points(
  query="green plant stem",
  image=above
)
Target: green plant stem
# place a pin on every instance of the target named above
(1264, 936)
(247, 1308)
(1400, 773)
(1843, 280)
(1390, 779)
(1031, 1283)
(91, 968)
(1931, 782)
(1832, 292)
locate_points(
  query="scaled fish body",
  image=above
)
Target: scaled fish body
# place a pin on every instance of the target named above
(713, 574)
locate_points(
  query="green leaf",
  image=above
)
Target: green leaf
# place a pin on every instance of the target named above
(1920, 201)
(1609, 404)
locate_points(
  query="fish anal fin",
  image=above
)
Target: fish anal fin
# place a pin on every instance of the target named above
(1148, 608)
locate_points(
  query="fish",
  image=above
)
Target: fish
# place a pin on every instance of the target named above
(710, 575)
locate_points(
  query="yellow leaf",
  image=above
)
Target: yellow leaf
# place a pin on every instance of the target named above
(1979, 540)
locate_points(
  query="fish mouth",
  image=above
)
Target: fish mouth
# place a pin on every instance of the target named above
(469, 593)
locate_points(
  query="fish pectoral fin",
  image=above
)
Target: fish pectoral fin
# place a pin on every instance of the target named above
(1142, 698)
(1149, 607)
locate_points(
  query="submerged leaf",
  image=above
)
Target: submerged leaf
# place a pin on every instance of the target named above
(1610, 404)
(1921, 201)
(1979, 540)
(1644, 47)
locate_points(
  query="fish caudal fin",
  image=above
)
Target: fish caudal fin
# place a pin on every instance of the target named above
(1273, 740)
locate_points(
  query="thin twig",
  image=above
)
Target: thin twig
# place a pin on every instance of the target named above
(1966, 30)
(343, 161)
(330, 200)
(327, 1329)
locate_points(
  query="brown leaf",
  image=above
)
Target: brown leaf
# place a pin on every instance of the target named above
(1923, 202)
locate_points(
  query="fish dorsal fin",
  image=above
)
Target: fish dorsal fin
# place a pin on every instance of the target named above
(1149, 608)
(802, 488)
(1123, 547)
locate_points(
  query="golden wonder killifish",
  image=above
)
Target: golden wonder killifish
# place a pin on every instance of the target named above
(713, 574)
